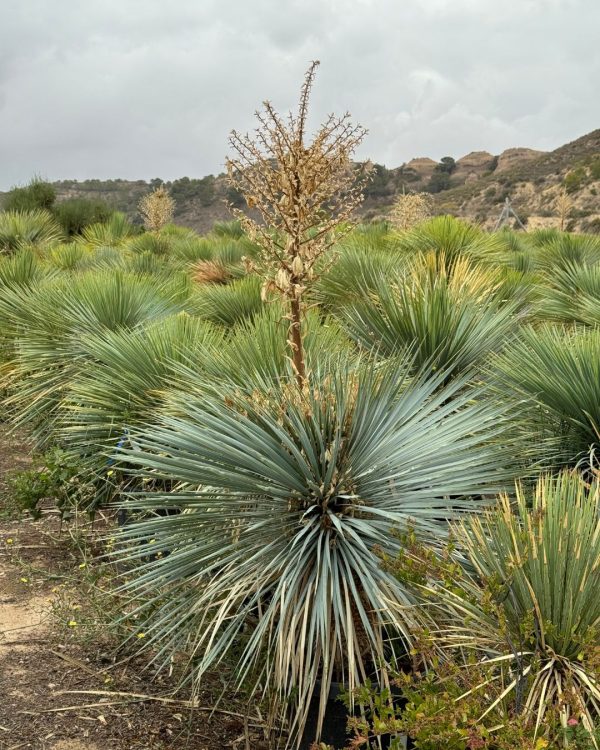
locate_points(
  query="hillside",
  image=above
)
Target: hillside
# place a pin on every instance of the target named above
(533, 183)
(474, 186)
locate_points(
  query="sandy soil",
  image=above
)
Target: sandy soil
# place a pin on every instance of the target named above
(59, 691)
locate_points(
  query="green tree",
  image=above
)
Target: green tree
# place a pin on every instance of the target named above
(75, 214)
(38, 194)
(438, 181)
(447, 164)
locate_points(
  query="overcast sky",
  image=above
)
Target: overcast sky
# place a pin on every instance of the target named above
(150, 88)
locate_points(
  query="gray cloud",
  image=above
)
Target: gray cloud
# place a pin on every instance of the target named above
(144, 88)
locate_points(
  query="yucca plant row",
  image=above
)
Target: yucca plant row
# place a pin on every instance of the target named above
(434, 378)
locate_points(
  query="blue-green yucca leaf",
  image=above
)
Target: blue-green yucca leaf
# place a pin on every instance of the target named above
(124, 380)
(451, 320)
(558, 370)
(285, 499)
(48, 324)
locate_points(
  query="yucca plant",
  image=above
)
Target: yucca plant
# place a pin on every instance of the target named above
(449, 237)
(106, 258)
(22, 229)
(358, 270)
(572, 294)
(192, 249)
(558, 370)
(530, 607)
(285, 493)
(562, 250)
(153, 243)
(452, 319)
(255, 354)
(111, 233)
(23, 269)
(543, 236)
(48, 324)
(124, 379)
(227, 304)
(69, 256)
(229, 229)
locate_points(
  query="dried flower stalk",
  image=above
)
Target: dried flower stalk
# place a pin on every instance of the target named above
(157, 209)
(564, 205)
(302, 192)
(411, 209)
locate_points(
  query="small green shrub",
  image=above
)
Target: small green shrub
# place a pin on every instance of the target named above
(38, 194)
(58, 480)
(75, 214)
(574, 179)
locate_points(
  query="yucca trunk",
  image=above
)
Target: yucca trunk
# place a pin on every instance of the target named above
(295, 340)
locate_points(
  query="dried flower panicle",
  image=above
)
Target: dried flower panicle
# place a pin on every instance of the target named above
(304, 193)
(564, 206)
(157, 209)
(411, 209)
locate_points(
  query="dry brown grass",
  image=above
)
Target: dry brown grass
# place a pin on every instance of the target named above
(210, 272)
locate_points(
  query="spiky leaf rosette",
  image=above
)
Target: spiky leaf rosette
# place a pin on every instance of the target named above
(538, 615)
(47, 325)
(450, 238)
(572, 294)
(558, 370)
(285, 497)
(124, 378)
(27, 229)
(452, 315)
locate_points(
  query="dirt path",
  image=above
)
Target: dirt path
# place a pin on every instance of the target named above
(47, 661)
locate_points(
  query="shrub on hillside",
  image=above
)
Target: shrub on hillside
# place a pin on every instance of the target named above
(38, 194)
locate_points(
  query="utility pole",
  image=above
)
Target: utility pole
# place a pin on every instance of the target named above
(505, 215)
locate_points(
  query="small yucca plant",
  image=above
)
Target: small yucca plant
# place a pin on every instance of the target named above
(27, 229)
(557, 370)
(531, 606)
(451, 315)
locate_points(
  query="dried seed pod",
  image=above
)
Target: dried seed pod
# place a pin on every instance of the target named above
(297, 266)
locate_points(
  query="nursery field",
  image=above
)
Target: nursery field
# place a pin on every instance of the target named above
(298, 483)
(192, 516)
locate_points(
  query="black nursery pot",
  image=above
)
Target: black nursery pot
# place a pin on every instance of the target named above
(334, 723)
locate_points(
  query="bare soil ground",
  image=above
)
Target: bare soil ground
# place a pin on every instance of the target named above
(60, 690)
